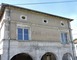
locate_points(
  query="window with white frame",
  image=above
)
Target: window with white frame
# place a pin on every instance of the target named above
(64, 38)
(23, 33)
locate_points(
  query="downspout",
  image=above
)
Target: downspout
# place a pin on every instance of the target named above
(70, 34)
(9, 33)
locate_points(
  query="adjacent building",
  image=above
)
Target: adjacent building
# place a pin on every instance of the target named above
(27, 34)
(75, 46)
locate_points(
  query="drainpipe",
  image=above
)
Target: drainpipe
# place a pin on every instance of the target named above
(73, 49)
(72, 44)
(8, 58)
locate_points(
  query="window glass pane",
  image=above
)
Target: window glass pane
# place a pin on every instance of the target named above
(20, 34)
(64, 38)
(25, 31)
(65, 34)
(26, 35)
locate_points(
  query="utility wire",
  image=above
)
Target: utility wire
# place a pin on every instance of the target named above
(46, 3)
(56, 2)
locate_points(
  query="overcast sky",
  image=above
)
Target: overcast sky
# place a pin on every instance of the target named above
(68, 9)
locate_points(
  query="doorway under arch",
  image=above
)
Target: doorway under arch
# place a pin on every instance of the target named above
(22, 56)
(48, 56)
(67, 56)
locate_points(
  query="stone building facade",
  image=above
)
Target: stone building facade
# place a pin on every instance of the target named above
(75, 46)
(27, 34)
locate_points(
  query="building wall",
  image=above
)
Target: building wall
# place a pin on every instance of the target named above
(45, 37)
(35, 49)
(0, 57)
(75, 46)
(46, 31)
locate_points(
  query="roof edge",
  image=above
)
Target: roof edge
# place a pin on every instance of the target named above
(9, 5)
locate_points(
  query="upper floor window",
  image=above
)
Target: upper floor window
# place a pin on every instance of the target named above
(64, 38)
(62, 23)
(45, 21)
(23, 17)
(23, 33)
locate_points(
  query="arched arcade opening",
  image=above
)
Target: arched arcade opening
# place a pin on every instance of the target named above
(67, 56)
(22, 56)
(48, 56)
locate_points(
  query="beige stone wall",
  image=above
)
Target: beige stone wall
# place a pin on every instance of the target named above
(37, 18)
(43, 33)
(35, 49)
(39, 30)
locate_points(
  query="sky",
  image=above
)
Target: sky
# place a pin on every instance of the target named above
(68, 9)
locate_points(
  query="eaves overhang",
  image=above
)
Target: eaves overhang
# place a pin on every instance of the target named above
(8, 5)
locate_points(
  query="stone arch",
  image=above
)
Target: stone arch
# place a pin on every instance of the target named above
(67, 56)
(21, 56)
(48, 56)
